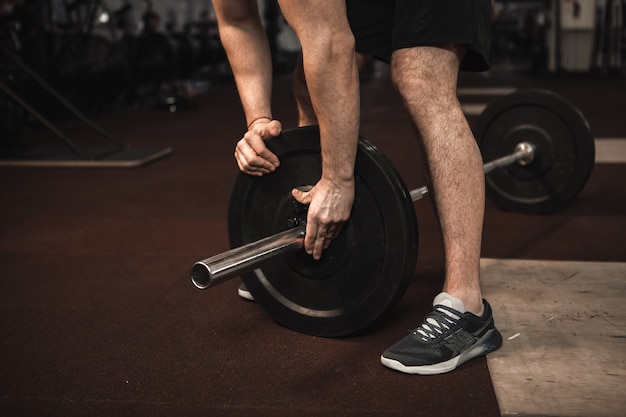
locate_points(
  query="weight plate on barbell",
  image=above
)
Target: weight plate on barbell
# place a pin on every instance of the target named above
(563, 143)
(365, 271)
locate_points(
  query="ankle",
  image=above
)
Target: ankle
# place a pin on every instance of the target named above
(478, 310)
(472, 302)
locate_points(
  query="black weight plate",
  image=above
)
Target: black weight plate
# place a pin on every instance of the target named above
(564, 150)
(364, 271)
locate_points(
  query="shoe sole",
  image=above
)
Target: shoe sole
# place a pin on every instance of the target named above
(245, 295)
(490, 342)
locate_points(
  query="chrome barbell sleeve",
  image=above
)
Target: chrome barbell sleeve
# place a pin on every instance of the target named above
(228, 264)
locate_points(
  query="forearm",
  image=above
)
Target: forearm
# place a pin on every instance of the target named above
(331, 75)
(246, 46)
(306, 114)
(332, 81)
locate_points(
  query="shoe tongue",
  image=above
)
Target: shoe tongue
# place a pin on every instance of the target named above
(447, 300)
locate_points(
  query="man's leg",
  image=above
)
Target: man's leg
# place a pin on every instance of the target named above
(306, 114)
(460, 326)
(426, 78)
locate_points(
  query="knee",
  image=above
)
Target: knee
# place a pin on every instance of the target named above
(341, 45)
(416, 89)
(421, 89)
(428, 72)
(327, 43)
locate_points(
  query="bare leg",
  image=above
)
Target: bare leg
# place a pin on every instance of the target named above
(306, 114)
(426, 78)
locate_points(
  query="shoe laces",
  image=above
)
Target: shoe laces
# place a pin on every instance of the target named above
(440, 320)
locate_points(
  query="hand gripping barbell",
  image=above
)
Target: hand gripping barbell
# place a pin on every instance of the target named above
(546, 154)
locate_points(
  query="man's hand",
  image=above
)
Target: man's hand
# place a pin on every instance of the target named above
(251, 154)
(330, 204)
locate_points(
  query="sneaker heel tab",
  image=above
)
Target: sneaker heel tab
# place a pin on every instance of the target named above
(450, 301)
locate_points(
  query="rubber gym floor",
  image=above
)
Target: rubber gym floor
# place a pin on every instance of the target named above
(98, 316)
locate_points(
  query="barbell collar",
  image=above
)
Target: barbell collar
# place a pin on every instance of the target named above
(418, 193)
(221, 267)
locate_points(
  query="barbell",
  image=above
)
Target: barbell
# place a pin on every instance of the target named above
(541, 154)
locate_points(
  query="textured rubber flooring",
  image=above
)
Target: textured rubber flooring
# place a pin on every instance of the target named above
(98, 316)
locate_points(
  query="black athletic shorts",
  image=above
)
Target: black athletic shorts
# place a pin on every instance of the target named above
(383, 26)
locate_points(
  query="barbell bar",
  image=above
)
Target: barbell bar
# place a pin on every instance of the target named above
(523, 154)
(221, 267)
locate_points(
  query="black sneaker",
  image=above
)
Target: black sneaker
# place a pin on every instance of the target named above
(446, 339)
(244, 293)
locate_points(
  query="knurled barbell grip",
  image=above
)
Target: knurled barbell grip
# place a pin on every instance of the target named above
(236, 261)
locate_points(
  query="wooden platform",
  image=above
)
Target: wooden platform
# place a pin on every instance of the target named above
(564, 330)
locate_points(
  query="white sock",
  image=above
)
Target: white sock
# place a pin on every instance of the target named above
(448, 300)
